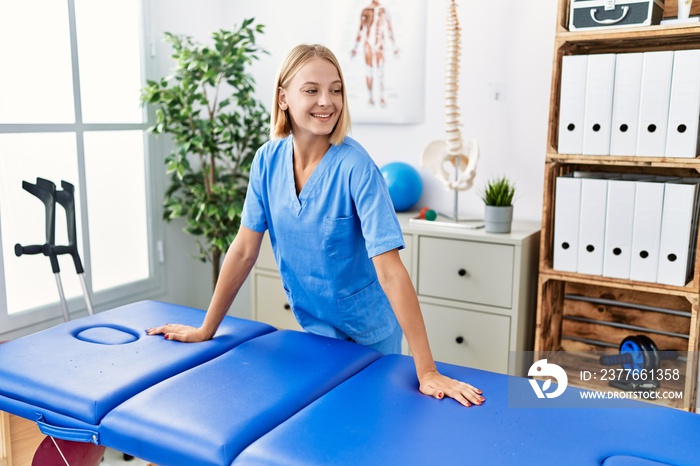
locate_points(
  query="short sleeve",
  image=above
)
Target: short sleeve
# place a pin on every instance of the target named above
(254, 215)
(380, 226)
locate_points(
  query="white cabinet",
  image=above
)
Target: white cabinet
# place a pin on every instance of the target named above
(476, 289)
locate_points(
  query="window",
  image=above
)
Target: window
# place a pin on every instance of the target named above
(70, 110)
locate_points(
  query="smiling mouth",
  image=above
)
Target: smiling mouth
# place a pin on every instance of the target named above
(321, 115)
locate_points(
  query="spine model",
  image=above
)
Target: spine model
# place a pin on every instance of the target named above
(438, 155)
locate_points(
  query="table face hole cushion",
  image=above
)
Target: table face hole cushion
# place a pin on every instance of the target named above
(208, 414)
(72, 381)
(107, 335)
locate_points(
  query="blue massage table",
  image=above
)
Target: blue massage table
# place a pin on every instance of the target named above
(254, 395)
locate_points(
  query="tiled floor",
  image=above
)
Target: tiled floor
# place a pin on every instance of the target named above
(115, 458)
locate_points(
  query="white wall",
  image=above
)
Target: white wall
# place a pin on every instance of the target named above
(507, 47)
(188, 280)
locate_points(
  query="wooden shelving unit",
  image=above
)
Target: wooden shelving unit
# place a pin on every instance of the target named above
(584, 314)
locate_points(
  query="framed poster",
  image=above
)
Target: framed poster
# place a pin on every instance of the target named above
(381, 48)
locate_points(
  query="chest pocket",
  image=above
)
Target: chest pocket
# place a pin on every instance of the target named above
(339, 237)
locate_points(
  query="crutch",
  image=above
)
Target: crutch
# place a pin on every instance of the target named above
(46, 191)
(67, 200)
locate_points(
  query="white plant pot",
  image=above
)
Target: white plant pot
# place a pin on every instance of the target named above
(498, 219)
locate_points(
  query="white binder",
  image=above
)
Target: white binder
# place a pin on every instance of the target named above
(567, 201)
(572, 100)
(646, 232)
(619, 220)
(654, 101)
(677, 226)
(684, 107)
(692, 248)
(591, 239)
(597, 114)
(625, 112)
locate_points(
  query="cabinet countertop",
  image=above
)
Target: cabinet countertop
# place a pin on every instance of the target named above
(520, 231)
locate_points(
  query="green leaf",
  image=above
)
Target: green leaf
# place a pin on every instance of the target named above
(498, 192)
(226, 136)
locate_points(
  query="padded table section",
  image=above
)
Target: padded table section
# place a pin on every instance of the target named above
(378, 417)
(74, 373)
(208, 414)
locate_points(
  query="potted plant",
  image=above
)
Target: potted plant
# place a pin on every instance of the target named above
(208, 107)
(498, 196)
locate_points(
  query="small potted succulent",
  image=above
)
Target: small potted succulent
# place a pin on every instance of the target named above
(498, 196)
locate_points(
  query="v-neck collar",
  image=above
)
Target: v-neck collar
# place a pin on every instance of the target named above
(298, 201)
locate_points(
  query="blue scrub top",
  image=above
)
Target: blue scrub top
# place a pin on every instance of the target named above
(324, 239)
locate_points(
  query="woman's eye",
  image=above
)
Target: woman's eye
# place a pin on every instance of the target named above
(337, 91)
(310, 91)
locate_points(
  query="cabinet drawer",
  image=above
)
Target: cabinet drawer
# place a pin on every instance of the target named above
(468, 338)
(467, 271)
(271, 303)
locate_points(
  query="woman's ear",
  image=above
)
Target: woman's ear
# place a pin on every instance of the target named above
(282, 100)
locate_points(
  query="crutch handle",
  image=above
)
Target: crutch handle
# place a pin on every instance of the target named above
(55, 251)
(29, 250)
(44, 249)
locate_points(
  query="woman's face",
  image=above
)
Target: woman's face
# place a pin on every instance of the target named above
(313, 98)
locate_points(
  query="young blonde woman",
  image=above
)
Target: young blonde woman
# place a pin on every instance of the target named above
(332, 225)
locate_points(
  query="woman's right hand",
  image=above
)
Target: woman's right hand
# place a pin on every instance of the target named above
(179, 332)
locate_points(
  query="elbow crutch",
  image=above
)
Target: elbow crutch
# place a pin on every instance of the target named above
(46, 191)
(66, 199)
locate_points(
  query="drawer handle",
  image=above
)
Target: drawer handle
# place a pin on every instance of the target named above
(462, 272)
(459, 340)
(287, 306)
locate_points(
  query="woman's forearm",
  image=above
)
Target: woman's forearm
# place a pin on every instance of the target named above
(398, 288)
(239, 261)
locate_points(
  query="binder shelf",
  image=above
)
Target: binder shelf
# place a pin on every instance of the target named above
(580, 315)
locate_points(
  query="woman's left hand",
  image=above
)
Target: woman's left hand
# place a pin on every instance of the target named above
(439, 386)
(179, 332)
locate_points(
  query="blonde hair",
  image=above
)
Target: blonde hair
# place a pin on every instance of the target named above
(280, 126)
